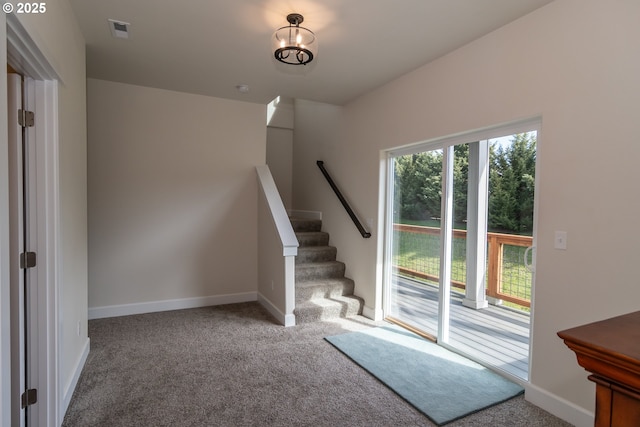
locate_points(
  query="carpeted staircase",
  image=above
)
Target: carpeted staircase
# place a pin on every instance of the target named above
(322, 291)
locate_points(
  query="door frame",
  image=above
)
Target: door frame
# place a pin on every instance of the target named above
(25, 57)
(386, 207)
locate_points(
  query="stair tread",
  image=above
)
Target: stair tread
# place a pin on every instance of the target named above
(317, 289)
(306, 222)
(317, 248)
(328, 308)
(323, 302)
(322, 291)
(328, 281)
(319, 270)
(312, 238)
(311, 233)
(318, 264)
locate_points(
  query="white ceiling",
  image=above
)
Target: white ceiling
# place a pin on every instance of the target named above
(209, 47)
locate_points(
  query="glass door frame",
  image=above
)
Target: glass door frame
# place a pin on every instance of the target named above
(446, 144)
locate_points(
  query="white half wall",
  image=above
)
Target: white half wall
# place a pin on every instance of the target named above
(277, 249)
(172, 195)
(575, 63)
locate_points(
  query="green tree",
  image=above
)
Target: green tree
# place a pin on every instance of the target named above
(460, 183)
(511, 184)
(418, 185)
(418, 190)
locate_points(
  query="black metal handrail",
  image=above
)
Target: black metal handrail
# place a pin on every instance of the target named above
(344, 202)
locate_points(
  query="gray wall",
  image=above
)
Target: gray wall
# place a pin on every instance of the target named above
(280, 161)
(172, 197)
(576, 64)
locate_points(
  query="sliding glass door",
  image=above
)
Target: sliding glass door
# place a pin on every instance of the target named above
(458, 210)
(415, 239)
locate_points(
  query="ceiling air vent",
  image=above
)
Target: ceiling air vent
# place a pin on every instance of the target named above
(119, 29)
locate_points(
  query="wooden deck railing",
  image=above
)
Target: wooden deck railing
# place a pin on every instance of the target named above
(495, 260)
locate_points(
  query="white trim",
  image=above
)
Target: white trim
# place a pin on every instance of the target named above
(561, 408)
(284, 319)
(73, 382)
(46, 129)
(5, 306)
(25, 57)
(380, 295)
(278, 213)
(23, 54)
(290, 290)
(534, 243)
(167, 305)
(385, 228)
(17, 226)
(446, 246)
(373, 313)
(285, 237)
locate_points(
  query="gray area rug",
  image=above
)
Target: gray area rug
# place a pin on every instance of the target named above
(233, 365)
(443, 385)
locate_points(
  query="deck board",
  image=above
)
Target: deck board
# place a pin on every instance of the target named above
(496, 336)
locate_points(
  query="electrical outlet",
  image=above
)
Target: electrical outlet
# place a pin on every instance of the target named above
(79, 327)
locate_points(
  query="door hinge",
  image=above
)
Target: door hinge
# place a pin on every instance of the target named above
(29, 397)
(26, 118)
(27, 259)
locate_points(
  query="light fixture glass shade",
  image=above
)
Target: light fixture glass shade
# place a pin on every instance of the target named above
(294, 44)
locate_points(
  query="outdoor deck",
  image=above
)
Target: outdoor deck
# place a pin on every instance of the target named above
(496, 336)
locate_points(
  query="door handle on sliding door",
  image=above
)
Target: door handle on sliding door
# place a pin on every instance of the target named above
(531, 267)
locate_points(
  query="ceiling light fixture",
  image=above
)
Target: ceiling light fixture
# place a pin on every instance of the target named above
(294, 44)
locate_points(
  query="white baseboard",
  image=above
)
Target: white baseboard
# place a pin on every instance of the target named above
(284, 319)
(558, 406)
(166, 305)
(73, 382)
(372, 313)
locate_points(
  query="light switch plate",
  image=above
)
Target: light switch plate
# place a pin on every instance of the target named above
(560, 241)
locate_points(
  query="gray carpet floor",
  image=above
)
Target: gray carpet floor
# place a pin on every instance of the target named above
(233, 365)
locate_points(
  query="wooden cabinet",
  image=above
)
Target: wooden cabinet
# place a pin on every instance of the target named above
(610, 350)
